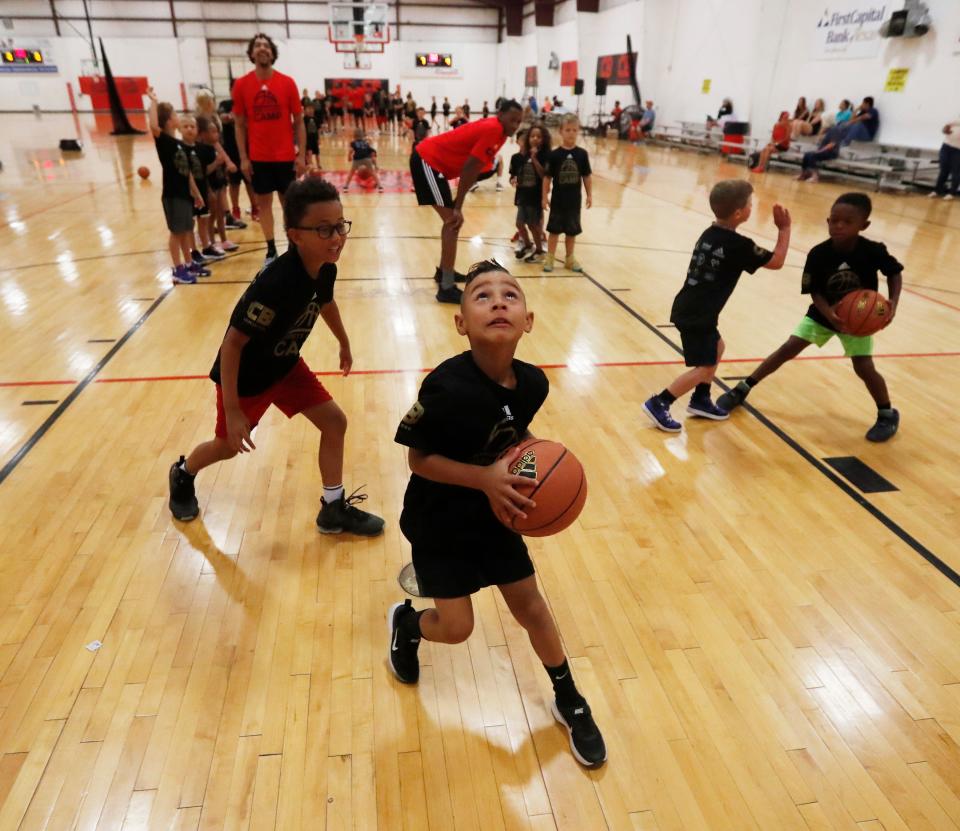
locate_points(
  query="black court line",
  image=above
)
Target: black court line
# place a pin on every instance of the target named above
(666, 325)
(619, 289)
(904, 535)
(51, 419)
(39, 401)
(143, 299)
(102, 340)
(735, 377)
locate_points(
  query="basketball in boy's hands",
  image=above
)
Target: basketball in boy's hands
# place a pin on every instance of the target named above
(143, 172)
(863, 312)
(560, 494)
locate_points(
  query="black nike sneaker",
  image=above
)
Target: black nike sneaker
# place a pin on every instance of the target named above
(457, 276)
(586, 742)
(734, 398)
(888, 422)
(183, 498)
(344, 515)
(402, 654)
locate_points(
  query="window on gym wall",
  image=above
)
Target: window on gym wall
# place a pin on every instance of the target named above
(227, 59)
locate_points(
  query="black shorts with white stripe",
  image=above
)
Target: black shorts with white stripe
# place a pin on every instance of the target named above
(431, 186)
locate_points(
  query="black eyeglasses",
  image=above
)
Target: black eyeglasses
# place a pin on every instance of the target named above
(326, 231)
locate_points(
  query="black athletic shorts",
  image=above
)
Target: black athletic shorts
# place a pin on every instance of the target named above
(313, 145)
(699, 345)
(358, 113)
(272, 176)
(493, 557)
(431, 186)
(564, 221)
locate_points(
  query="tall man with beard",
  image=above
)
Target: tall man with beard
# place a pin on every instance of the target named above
(268, 113)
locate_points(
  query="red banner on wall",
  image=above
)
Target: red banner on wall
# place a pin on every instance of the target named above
(131, 91)
(568, 73)
(615, 68)
(530, 76)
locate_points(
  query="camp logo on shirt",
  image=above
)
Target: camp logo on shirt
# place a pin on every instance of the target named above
(569, 173)
(842, 281)
(291, 342)
(265, 105)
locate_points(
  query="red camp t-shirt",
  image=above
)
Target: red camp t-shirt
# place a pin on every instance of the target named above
(267, 107)
(448, 152)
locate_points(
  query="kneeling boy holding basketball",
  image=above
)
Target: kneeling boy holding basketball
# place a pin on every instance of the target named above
(471, 409)
(842, 264)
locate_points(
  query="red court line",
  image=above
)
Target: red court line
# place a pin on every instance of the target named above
(424, 370)
(932, 299)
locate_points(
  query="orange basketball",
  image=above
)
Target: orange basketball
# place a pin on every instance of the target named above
(143, 172)
(363, 173)
(863, 312)
(562, 491)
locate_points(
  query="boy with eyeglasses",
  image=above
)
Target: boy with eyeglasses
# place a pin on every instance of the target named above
(259, 361)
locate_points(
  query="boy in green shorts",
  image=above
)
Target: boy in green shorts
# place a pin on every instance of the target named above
(844, 263)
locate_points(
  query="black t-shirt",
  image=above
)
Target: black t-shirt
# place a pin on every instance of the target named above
(228, 139)
(464, 415)
(433, 108)
(361, 150)
(833, 274)
(529, 182)
(719, 258)
(446, 108)
(196, 166)
(175, 164)
(457, 122)
(421, 129)
(485, 111)
(567, 167)
(207, 154)
(466, 110)
(277, 311)
(410, 107)
(310, 125)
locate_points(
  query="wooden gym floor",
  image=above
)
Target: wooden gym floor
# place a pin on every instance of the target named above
(764, 645)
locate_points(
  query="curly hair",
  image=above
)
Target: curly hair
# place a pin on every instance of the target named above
(268, 39)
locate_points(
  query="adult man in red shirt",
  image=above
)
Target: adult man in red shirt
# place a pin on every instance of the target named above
(464, 153)
(267, 109)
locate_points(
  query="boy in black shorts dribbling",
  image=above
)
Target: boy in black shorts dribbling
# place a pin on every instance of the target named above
(259, 361)
(844, 263)
(471, 409)
(720, 256)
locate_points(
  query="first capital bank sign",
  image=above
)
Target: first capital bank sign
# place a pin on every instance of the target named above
(849, 30)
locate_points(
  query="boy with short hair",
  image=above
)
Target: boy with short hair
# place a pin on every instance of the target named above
(259, 361)
(844, 263)
(180, 193)
(719, 257)
(201, 212)
(471, 410)
(567, 167)
(362, 154)
(420, 127)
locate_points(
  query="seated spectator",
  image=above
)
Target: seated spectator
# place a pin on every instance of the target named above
(615, 114)
(779, 141)
(533, 104)
(648, 119)
(801, 112)
(812, 124)
(844, 112)
(864, 124)
(547, 105)
(949, 162)
(828, 148)
(724, 114)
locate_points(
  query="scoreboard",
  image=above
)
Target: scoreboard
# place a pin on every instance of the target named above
(17, 59)
(434, 59)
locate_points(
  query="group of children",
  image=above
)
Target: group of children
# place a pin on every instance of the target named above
(195, 168)
(844, 263)
(550, 179)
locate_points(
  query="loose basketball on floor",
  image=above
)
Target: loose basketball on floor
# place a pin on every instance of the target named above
(560, 494)
(863, 312)
(143, 172)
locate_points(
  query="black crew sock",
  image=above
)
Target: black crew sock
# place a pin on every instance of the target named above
(563, 687)
(701, 392)
(667, 397)
(410, 626)
(271, 248)
(751, 382)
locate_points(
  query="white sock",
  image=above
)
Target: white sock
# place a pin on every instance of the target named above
(183, 467)
(332, 494)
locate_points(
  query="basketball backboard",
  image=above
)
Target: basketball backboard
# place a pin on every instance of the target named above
(365, 23)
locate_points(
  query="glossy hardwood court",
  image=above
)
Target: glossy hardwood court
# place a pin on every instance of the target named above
(763, 644)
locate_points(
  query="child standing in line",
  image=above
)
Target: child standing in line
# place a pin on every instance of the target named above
(527, 169)
(844, 263)
(312, 127)
(259, 362)
(180, 193)
(568, 166)
(201, 213)
(719, 257)
(214, 162)
(471, 409)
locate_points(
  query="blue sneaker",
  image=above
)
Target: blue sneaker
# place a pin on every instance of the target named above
(705, 408)
(181, 274)
(659, 414)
